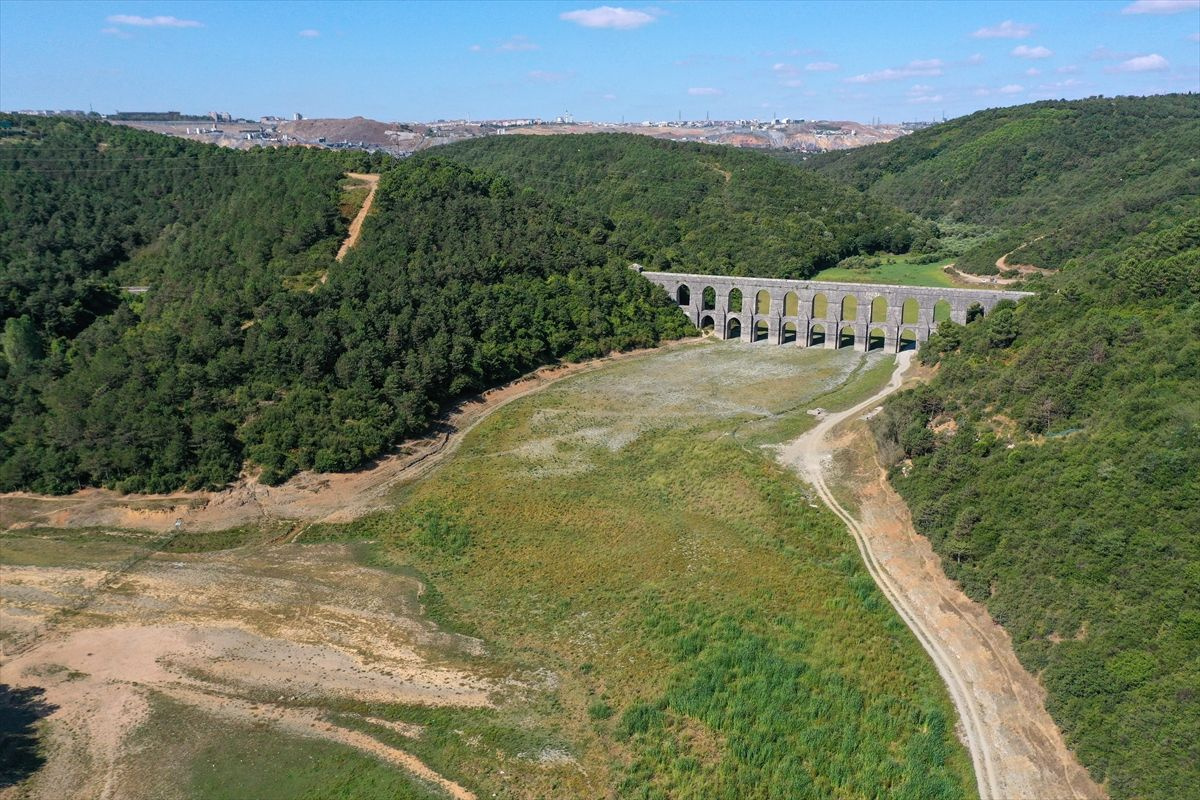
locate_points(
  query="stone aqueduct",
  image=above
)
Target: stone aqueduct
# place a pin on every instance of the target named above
(822, 313)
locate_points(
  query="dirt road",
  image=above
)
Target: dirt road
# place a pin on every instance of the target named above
(1017, 750)
(357, 223)
(1002, 264)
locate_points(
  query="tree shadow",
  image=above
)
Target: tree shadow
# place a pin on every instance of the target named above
(20, 710)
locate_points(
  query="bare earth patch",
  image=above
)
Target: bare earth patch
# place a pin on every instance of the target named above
(265, 636)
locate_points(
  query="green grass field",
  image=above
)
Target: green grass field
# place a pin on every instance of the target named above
(709, 629)
(896, 270)
(215, 759)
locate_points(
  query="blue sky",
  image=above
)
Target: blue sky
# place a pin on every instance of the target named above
(422, 61)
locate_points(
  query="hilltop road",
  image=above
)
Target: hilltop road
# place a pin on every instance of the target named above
(357, 223)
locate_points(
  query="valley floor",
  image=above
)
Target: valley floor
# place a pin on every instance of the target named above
(609, 589)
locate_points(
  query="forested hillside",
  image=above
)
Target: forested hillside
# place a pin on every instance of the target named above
(699, 208)
(1053, 180)
(1054, 460)
(238, 351)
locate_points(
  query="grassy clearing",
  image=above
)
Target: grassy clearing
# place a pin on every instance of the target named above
(710, 634)
(208, 541)
(869, 375)
(103, 546)
(59, 547)
(221, 760)
(354, 194)
(898, 270)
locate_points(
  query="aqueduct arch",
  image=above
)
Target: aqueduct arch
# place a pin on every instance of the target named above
(823, 313)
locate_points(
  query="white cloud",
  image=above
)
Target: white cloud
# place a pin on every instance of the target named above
(120, 34)
(975, 58)
(609, 96)
(1005, 30)
(1102, 53)
(1025, 51)
(1161, 6)
(704, 91)
(822, 66)
(516, 44)
(1033, 71)
(546, 76)
(788, 75)
(1067, 84)
(1067, 70)
(928, 67)
(608, 17)
(153, 22)
(922, 93)
(513, 44)
(1011, 88)
(1194, 37)
(1148, 63)
(309, 33)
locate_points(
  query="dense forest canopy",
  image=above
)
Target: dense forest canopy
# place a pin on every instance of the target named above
(699, 208)
(1054, 460)
(1051, 181)
(240, 352)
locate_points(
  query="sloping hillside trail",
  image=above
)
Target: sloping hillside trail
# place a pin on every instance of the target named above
(1003, 266)
(1017, 750)
(306, 498)
(356, 224)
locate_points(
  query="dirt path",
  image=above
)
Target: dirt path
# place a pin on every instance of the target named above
(1025, 269)
(1002, 264)
(987, 280)
(304, 499)
(1017, 750)
(357, 223)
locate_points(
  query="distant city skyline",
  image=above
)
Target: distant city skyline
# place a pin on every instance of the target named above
(419, 61)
